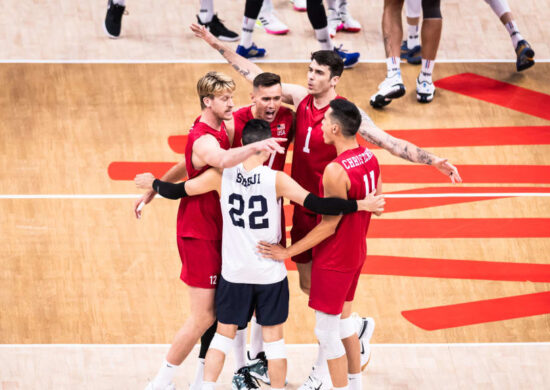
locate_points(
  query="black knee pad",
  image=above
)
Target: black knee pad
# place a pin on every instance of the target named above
(206, 338)
(431, 9)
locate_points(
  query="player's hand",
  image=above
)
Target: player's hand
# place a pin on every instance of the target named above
(272, 251)
(145, 199)
(270, 145)
(144, 181)
(448, 169)
(203, 33)
(372, 202)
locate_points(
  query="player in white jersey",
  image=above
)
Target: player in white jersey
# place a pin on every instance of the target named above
(250, 194)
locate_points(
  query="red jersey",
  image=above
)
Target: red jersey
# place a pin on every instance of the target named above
(311, 155)
(281, 127)
(346, 249)
(200, 216)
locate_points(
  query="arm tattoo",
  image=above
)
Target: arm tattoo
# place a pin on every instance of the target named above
(423, 156)
(221, 51)
(244, 72)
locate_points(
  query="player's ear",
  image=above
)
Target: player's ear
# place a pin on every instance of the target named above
(334, 80)
(207, 101)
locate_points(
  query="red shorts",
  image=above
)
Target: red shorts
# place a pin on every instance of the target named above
(201, 261)
(302, 223)
(330, 289)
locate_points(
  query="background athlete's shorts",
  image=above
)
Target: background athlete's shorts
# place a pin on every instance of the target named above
(302, 223)
(236, 302)
(201, 261)
(330, 289)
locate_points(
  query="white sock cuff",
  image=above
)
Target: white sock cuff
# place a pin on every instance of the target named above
(499, 7)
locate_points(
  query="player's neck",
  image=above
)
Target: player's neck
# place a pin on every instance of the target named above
(345, 144)
(323, 99)
(252, 162)
(211, 119)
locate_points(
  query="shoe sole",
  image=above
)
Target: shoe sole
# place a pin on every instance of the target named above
(367, 331)
(281, 32)
(424, 97)
(299, 9)
(383, 100)
(350, 29)
(260, 378)
(367, 363)
(228, 39)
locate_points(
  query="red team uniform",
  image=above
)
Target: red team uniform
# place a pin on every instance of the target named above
(310, 157)
(200, 220)
(339, 258)
(281, 127)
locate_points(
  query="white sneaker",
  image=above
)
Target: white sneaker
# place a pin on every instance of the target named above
(151, 386)
(312, 383)
(299, 5)
(348, 23)
(270, 22)
(425, 91)
(365, 329)
(334, 22)
(390, 88)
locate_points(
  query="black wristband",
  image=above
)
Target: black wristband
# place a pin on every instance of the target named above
(329, 206)
(169, 190)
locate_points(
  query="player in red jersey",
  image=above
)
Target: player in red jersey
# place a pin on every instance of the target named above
(323, 75)
(199, 243)
(339, 246)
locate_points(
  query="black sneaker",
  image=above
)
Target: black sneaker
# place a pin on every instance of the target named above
(242, 380)
(113, 19)
(216, 27)
(525, 55)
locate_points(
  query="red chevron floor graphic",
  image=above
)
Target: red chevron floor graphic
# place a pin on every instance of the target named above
(447, 316)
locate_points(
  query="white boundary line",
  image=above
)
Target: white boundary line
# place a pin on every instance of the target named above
(221, 61)
(392, 196)
(443, 345)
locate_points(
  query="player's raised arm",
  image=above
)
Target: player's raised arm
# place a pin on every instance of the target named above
(207, 151)
(290, 189)
(208, 181)
(176, 173)
(292, 93)
(404, 149)
(243, 66)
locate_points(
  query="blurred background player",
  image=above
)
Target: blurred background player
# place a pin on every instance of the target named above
(340, 19)
(258, 11)
(392, 87)
(206, 17)
(318, 18)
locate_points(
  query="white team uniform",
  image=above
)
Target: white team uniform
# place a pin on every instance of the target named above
(251, 213)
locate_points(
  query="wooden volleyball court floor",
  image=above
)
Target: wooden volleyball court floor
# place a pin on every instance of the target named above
(457, 276)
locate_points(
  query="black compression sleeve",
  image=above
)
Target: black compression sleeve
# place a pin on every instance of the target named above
(329, 206)
(169, 190)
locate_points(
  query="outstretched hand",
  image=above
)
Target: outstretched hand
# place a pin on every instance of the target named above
(203, 33)
(270, 145)
(448, 169)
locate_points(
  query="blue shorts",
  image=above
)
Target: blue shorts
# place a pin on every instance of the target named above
(236, 302)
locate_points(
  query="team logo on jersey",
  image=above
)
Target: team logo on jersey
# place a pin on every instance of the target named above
(281, 129)
(248, 181)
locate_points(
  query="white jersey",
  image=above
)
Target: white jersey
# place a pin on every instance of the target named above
(251, 213)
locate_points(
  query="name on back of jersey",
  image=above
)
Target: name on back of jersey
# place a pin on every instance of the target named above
(247, 181)
(355, 161)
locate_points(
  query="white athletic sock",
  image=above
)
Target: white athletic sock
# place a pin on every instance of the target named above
(513, 30)
(427, 70)
(392, 65)
(206, 12)
(120, 2)
(343, 7)
(412, 36)
(208, 386)
(165, 375)
(321, 366)
(239, 347)
(256, 339)
(354, 381)
(323, 37)
(198, 375)
(267, 7)
(246, 32)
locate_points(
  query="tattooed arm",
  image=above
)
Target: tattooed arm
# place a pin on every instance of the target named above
(404, 149)
(246, 68)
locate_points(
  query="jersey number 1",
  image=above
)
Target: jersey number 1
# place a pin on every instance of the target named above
(308, 138)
